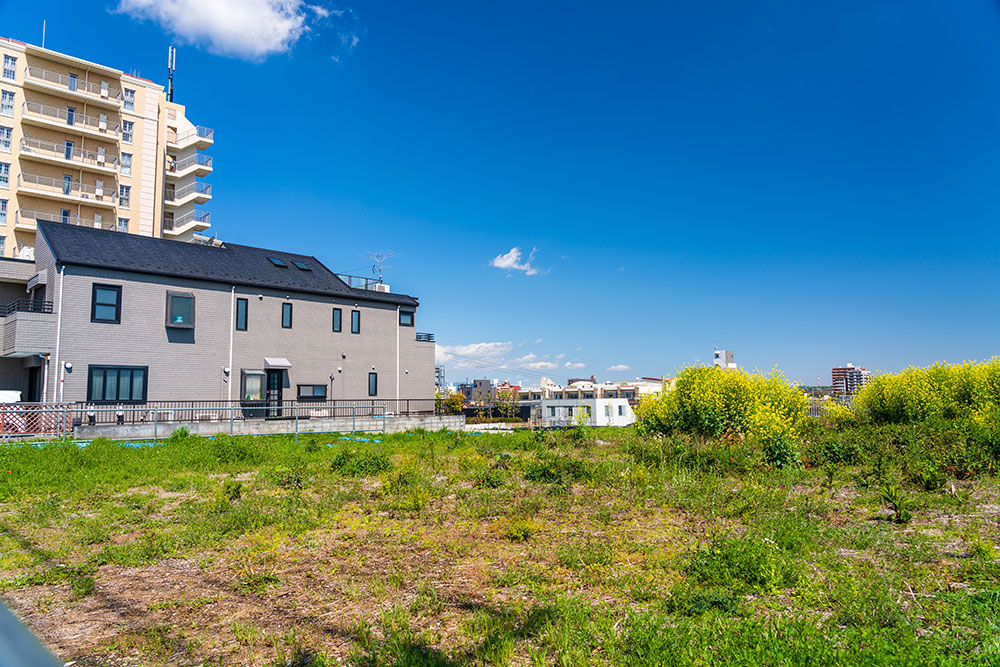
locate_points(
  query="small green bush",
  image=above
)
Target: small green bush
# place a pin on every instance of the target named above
(353, 463)
(749, 563)
(520, 530)
(231, 449)
(892, 496)
(556, 469)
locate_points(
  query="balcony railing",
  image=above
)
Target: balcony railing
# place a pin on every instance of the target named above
(425, 337)
(206, 133)
(26, 306)
(359, 282)
(170, 224)
(71, 188)
(37, 216)
(190, 161)
(71, 120)
(29, 145)
(194, 188)
(73, 84)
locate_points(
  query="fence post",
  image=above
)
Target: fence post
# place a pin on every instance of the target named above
(230, 419)
(296, 408)
(155, 424)
(354, 419)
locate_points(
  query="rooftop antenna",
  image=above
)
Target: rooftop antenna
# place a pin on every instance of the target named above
(43, 33)
(171, 66)
(379, 259)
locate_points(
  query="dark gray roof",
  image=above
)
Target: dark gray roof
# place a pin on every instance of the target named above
(229, 263)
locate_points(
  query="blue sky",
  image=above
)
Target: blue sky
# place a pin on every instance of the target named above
(806, 184)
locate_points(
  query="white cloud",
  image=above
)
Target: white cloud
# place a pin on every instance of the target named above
(620, 367)
(538, 341)
(575, 364)
(511, 261)
(543, 365)
(484, 350)
(561, 356)
(249, 29)
(531, 356)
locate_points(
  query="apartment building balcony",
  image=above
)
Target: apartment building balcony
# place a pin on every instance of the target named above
(26, 220)
(29, 328)
(197, 193)
(199, 137)
(197, 164)
(43, 115)
(68, 156)
(70, 86)
(65, 190)
(425, 337)
(192, 221)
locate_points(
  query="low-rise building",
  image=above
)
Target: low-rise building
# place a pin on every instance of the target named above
(556, 412)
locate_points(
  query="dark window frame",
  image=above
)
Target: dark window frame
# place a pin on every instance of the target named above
(355, 321)
(246, 314)
(301, 266)
(106, 367)
(278, 262)
(373, 385)
(93, 304)
(285, 304)
(170, 299)
(338, 320)
(310, 397)
(413, 318)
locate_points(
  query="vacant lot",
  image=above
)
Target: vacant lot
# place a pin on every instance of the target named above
(580, 547)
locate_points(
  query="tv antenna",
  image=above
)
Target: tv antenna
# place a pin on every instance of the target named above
(379, 258)
(171, 66)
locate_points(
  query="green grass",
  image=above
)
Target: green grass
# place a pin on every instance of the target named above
(571, 548)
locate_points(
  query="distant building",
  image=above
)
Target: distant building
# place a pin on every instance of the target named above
(850, 378)
(478, 392)
(724, 359)
(583, 412)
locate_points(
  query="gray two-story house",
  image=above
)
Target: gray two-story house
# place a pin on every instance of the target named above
(120, 319)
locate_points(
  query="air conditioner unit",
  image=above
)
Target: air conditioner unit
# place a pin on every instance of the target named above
(100, 158)
(104, 89)
(381, 287)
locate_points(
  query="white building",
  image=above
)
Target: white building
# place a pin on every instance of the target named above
(583, 412)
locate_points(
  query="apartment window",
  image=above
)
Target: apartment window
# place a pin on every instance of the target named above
(607, 410)
(406, 318)
(6, 103)
(9, 67)
(5, 135)
(312, 392)
(122, 225)
(286, 316)
(3, 211)
(67, 184)
(241, 314)
(373, 384)
(3, 243)
(337, 316)
(4, 174)
(73, 80)
(68, 150)
(569, 412)
(552, 412)
(70, 116)
(129, 99)
(126, 164)
(64, 216)
(106, 304)
(356, 321)
(116, 384)
(621, 410)
(180, 310)
(124, 195)
(127, 127)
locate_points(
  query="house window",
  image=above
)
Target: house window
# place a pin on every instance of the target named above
(607, 410)
(6, 103)
(124, 195)
(126, 164)
(9, 67)
(286, 316)
(621, 410)
(277, 262)
(252, 385)
(241, 314)
(302, 266)
(356, 321)
(3, 211)
(4, 174)
(116, 384)
(106, 304)
(129, 100)
(337, 316)
(122, 225)
(312, 392)
(406, 318)
(127, 127)
(569, 412)
(552, 412)
(5, 135)
(64, 216)
(373, 384)
(3, 243)
(180, 310)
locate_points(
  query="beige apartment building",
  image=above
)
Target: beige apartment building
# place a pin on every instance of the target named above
(89, 145)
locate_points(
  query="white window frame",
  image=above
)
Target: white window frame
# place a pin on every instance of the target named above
(6, 141)
(3, 211)
(7, 110)
(128, 129)
(9, 73)
(4, 174)
(126, 164)
(122, 225)
(128, 99)
(124, 196)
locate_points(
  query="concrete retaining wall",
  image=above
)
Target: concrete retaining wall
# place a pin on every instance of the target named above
(263, 427)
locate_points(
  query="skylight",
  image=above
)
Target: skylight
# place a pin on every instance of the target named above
(277, 262)
(302, 265)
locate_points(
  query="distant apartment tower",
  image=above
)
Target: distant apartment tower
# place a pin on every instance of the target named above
(724, 359)
(848, 379)
(86, 144)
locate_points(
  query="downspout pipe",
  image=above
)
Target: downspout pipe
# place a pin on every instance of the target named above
(232, 329)
(397, 355)
(62, 275)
